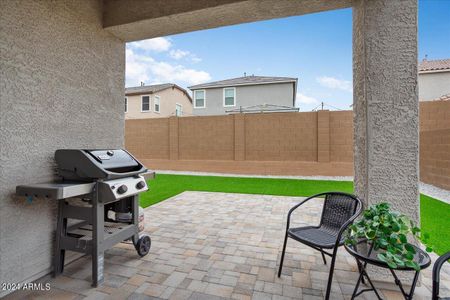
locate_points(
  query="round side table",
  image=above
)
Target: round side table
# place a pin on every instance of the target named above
(364, 254)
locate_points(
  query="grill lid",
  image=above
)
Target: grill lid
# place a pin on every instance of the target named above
(84, 164)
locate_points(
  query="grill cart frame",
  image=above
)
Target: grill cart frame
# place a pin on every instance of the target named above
(83, 226)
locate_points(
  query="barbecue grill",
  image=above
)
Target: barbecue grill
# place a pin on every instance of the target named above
(109, 183)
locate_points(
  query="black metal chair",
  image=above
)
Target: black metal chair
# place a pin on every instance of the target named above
(436, 270)
(339, 211)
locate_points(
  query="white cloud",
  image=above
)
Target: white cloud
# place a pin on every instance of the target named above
(178, 54)
(159, 44)
(334, 83)
(144, 68)
(195, 59)
(303, 99)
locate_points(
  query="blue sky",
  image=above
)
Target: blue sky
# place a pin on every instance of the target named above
(316, 48)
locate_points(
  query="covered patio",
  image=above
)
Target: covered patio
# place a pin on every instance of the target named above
(63, 64)
(218, 246)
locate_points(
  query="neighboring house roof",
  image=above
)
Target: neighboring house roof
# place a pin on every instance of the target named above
(151, 89)
(431, 66)
(443, 98)
(246, 80)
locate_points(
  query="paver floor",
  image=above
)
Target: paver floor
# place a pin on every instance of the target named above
(217, 246)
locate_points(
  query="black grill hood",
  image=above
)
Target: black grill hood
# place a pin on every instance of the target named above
(93, 164)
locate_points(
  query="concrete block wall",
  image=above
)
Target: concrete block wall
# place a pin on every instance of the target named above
(435, 143)
(434, 115)
(206, 138)
(324, 137)
(155, 132)
(281, 137)
(267, 137)
(341, 136)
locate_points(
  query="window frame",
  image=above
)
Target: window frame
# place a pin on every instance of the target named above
(149, 103)
(157, 97)
(204, 99)
(126, 104)
(181, 106)
(234, 91)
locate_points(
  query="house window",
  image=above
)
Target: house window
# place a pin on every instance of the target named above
(157, 103)
(178, 110)
(229, 96)
(199, 99)
(145, 103)
(126, 104)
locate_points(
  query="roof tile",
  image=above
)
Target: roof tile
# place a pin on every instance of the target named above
(434, 65)
(246, 80)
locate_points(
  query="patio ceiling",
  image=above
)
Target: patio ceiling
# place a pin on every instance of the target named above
(132, 20)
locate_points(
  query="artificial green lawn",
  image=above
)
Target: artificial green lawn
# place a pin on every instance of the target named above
(434, 214)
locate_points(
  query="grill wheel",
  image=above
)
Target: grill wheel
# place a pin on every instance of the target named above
(143, 245)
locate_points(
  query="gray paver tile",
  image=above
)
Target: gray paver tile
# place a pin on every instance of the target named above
(236, 256)
(175, 279)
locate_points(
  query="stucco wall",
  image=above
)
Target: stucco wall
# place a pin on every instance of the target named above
(433, 85)
(61, 82)
(168, 98)
(278, 94)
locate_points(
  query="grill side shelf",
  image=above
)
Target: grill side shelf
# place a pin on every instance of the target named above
(55, 190)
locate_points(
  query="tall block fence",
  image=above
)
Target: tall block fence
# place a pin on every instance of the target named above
(435, 143)
(302, 143)
(307, 143)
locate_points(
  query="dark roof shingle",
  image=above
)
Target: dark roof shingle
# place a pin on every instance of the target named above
(434, 65)
(246, 80)
(150, 89)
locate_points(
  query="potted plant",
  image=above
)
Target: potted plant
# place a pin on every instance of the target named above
(387, 231)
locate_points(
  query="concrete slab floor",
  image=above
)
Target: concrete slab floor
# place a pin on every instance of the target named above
(217, 246)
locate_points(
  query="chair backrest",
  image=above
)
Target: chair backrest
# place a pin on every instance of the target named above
(338, 208)
(436, 270)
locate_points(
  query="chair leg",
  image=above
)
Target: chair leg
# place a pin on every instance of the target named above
(330, 276)
(282, 254)
(323, 257)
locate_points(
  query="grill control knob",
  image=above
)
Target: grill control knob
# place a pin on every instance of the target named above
(122, 189)
(110, 152)
(140, 185)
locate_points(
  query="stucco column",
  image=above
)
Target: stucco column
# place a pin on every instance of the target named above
(386, 107)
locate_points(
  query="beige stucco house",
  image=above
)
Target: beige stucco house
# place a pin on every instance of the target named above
(434, 79)
(156, 101)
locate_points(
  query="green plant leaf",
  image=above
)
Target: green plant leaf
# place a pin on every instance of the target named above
(402, 238)
(395, 227)
(409, 255)
(392, 264)
(415, 230)
(412, 264)
(370, 234)
(410, 248)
